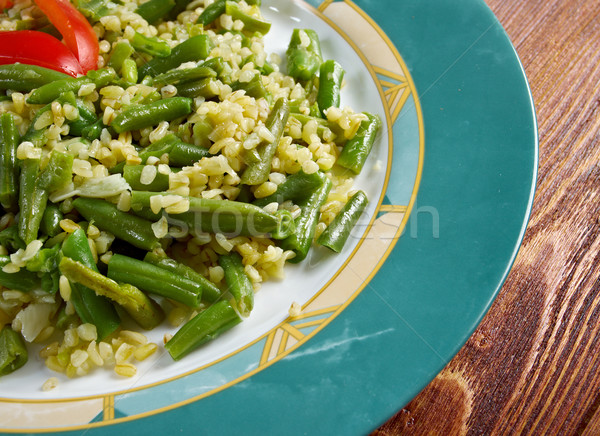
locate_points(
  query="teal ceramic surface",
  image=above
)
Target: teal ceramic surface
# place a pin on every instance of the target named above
(475, 178)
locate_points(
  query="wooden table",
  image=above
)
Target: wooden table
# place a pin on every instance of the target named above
(533, 365)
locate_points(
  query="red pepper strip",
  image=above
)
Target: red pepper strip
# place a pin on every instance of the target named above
(75, 29)
(5, 4)
(37, 48)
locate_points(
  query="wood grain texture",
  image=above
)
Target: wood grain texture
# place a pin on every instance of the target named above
(533, 366)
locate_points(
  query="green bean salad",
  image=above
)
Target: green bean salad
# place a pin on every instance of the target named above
(166, 184)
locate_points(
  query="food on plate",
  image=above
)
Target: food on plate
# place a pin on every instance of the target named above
(156, 166)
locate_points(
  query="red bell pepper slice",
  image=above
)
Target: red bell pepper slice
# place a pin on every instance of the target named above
(5, 4)
(37, 48)
(75, 29)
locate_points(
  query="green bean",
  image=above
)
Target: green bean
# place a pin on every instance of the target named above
(193, 49)
(35, 187)
(303, 61)
(36, 136)
(183, 154)
(238, 282)
(259, 159)
(306, 224)
(355, 152)
(153, 10)
(150, 45)
(251, 24)
(296, 187)
(24, 78)
(51, 91)
(184, 75)
(207, 88)
(13, 352)
(122, 51)
(210, 292)
(338, 231)
(90, 307)
(140, 116)
(21, 280)
(223, 216)
(142, 309)
(50, 224)
(129, 228)
(133, 176)
(212, 12)
(207, 325)
(331, 76)
(322, 126)
(129, 71)
(9, 168)
(254, 88)
(9, 238)
(93, 131)
(85, 119)
(94, 9)
(154, 280)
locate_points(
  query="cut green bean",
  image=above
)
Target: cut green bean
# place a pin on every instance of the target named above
(13, 352)
(306, 224)
(251, 24)
(142, 309)
(133, 174)
(153, 10)
(150, 45)
(355, 152)
(51, 91)
(140, 116)
(9, 168)
(184, 75)
(331, 76)
(222, 216)
(210, 292)
(193, 49)
(259, 159)
(296, 187)
(22, 280)
(207, 88)
(212, 12)
(254, 88)
(154, 280)
(94, 9)
(50, 225)
(207, 325)
(304, 54)
(238, 282)
(90, 307)
(122, 51)
(338, 231)
(24, 78)
(129, 71)
(129, 228)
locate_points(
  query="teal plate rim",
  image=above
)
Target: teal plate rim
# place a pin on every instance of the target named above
(464, 232)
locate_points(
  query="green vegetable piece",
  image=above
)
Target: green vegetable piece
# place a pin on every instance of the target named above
(13, 352)
(22, 280)
(304, 54)
(259, 159)
(151, 45)
(338, 231)
(193, 49)
(154, 10)
(296, 187)
(254, 88)
(207, 325)
(221, 216)
(91, 308)
(24, 78)
(238, 282)
(331, 76)
(355, 152)
(50, 225)
(154, 280)
(306, 224)
(133, 176)
(10, 239)
(212, 12)
(9, 168)
(210, 292)
(184, 75)
(94, 9)
(122, 51)
(207, 88)
(129, 228)
(142, 309)
(129, 71)
(251, 24)
(51, 91)
(140, 116)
